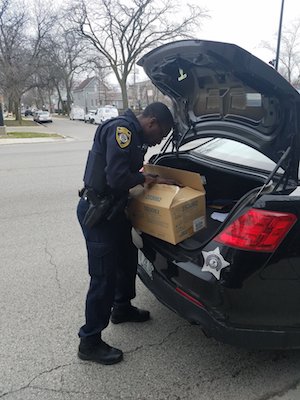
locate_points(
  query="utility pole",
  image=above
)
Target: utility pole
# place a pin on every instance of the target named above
(279, 36)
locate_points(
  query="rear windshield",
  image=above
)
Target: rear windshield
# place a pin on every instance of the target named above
(234, 152)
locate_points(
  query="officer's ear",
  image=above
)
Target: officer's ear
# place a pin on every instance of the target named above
(152, 122)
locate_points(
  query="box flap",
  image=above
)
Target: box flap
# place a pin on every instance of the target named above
(185, 194)
(160, 195)
(184, 178)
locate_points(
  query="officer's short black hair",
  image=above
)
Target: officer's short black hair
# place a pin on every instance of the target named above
(161, 112)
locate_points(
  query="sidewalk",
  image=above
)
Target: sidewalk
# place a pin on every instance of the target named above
(33, 140)
(38, 129)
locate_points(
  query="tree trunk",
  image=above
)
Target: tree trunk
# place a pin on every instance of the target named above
(69, 96)
(50, 103)
(40, 99)
(10, 104)
(60, 101)
(69, 102)
(123, 87)
(1, 115)
(17, 111)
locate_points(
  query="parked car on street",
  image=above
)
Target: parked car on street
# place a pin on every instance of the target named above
(77, 113)
(104, 113)
(237, 126)
(42, 116)
(28, 112)
(90, 116)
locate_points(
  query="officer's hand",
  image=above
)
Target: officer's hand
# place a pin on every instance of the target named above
(152, 179)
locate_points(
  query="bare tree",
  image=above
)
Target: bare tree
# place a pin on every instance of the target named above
(290, 53)
(3, 6)
(97, 66)
(11, 25)
(122, 30)
(289, 56)
(21, 41)
(65, 59)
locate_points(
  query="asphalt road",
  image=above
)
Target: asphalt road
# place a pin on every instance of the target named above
(42, 290)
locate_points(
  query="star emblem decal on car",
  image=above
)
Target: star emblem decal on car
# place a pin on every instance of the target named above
(214, 262)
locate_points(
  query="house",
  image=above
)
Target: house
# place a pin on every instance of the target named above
(140, 94)
(93, 93)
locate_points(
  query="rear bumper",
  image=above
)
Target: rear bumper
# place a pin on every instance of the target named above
(254, 338)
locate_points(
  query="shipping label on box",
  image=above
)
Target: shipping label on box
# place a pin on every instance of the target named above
(169, 212)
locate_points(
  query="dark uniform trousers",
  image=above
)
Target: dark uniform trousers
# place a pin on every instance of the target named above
(112, 261)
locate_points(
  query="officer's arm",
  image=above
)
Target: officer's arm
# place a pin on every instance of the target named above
(118, 160)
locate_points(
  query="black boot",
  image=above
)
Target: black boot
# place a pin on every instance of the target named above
(128, 313)
(94, 349)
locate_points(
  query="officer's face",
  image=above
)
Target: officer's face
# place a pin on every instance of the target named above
(154, 131)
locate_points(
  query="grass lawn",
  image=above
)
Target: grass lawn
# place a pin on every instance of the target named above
(24, 122)
(20, 135)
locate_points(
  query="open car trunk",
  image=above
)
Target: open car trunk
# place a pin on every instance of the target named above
(227, 191)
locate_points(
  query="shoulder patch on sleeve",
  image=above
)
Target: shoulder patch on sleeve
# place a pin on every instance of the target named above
(123, 136)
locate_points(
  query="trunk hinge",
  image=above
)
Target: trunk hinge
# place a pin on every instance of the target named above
(271, 175)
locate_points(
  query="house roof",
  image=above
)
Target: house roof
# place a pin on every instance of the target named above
(83, 84)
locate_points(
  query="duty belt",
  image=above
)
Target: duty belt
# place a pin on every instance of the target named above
(90, 194)
(101, 207)
(82, 192)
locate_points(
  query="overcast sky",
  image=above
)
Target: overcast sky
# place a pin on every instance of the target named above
(247, 22)
(244, 22)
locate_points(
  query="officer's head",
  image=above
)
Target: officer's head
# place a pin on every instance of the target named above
(156, 121)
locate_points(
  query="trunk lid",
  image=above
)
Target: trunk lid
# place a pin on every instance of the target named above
(221, 90)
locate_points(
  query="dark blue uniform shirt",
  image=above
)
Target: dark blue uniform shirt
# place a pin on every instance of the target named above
(120, 141)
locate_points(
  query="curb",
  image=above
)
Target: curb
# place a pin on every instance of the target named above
(34, 140)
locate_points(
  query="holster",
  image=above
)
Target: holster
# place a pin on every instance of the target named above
(118, 206)
(99, 207)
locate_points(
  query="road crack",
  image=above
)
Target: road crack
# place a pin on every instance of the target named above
(165, 339)
(51, 258)
(30, 386)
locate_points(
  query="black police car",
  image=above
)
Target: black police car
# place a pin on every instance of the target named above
(238, 126)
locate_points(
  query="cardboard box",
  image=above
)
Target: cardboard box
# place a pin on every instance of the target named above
(168, 212)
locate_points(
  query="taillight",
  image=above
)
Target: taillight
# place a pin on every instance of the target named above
(257, 230)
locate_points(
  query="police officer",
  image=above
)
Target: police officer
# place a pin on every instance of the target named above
(113, 167)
